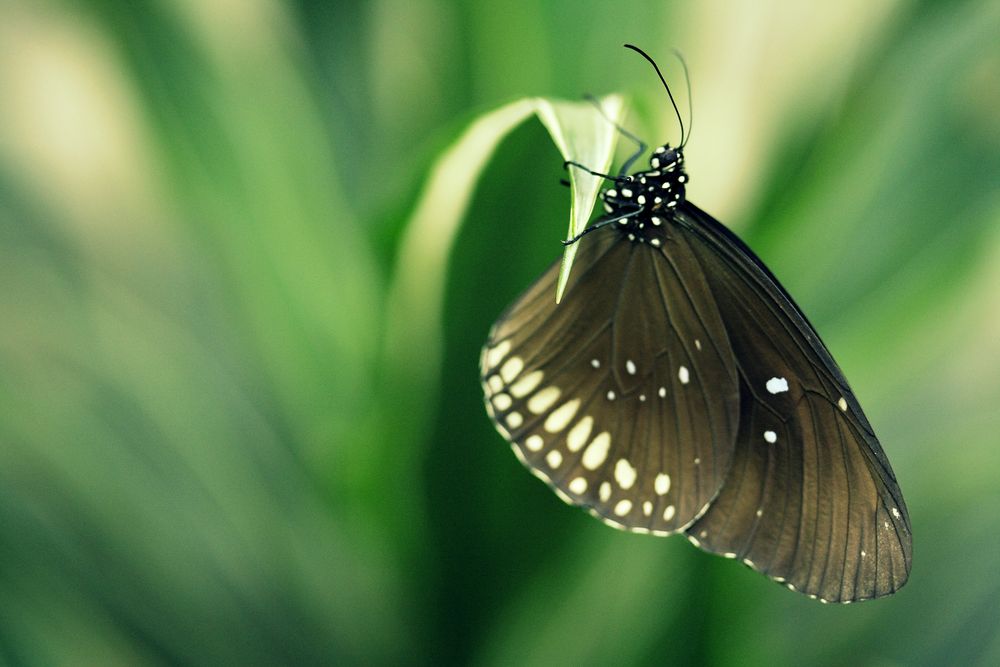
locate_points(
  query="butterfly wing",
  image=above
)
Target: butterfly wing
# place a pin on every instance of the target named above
(624, 397)
(810, 499)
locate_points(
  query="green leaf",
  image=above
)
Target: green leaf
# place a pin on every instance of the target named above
(583, 136)
(416, 295)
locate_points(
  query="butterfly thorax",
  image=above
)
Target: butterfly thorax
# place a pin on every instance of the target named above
(648, 199)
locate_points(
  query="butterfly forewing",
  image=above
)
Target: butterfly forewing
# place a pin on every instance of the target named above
(810, 499)
(624, 396)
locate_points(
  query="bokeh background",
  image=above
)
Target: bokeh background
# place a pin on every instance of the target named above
(219, 443)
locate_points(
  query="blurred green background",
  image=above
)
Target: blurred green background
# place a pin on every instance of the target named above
(219, 443)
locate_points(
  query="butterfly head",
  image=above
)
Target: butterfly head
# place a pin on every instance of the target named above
(667, 159)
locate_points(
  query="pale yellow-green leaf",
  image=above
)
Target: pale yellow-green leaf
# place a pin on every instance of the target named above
(416, 296)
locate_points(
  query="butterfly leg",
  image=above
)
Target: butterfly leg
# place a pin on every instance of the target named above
(603, 223)
(616, 179)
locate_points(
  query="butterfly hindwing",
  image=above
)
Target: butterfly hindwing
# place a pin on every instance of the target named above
(810, 498)
(623, 397)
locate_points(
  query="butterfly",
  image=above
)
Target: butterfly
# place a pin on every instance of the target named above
(678, 388)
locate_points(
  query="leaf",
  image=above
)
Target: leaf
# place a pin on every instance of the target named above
(416, 295)
(583, 136)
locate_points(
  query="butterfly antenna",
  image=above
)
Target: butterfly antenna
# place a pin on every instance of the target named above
(677, 111)
(687, 81)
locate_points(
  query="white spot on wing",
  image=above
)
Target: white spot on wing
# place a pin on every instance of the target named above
(511, 369)
(597, 451)
(578, 486)
(647, 508)
(578, 435)
(595, 363)
(496, 354)
(683, 375)
(534, 442)
(554, 458)
(630, 367)
(623, 507)
(560, 419)
(502, 401)
(895, 513)
(697, 343)
(662, 484)
(777, 385)
(604, 492)
(771, 436)
(527, 384)
(668, 513)
(495, 383)
(514, 419)
(842, 404)
(543, 400)
(611, 395)
(662, 392)
(624, 474)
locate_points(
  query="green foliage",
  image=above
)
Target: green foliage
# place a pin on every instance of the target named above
(248, 254)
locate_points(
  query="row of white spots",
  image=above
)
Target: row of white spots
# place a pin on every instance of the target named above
(777, 385)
